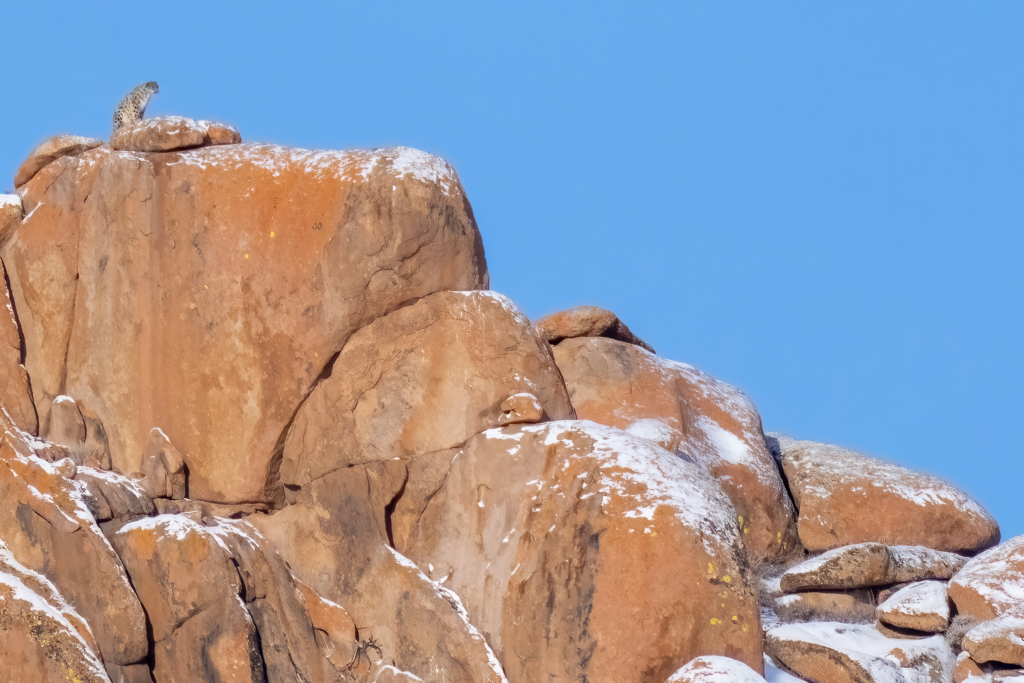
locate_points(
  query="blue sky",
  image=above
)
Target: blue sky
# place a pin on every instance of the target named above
(820, 203)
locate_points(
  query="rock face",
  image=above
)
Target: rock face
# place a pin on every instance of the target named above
(845, 653)
(204, 292)
(15, 391)
(420, 380)
(586, 321)
(51, 150)
(685, 411)
(921, 606)
(844, 497)
(992, 583)
(712, 669)
(583, 553)
(870, 564)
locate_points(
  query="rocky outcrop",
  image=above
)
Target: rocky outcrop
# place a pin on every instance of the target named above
(687, 412)
(168, 133)
(420, 380)
(584, 553)
(205, 292)
(992, 583)
(844, 498)
(15, 390)
(586, 321)
(48, 152)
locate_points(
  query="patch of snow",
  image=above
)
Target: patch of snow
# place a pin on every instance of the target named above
(715, 669)
(727, 445)
(653, 430)
(173, 525)
(10, 200)
(773, 674)
(924, 597)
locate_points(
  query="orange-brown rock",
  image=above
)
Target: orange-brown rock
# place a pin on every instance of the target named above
(219, 133)
(845, 497)
(10, 215)
(870, 564)
(688, 412)
(921, 606)
(521, 408)
(163, 468)
(584, 553)
(992, 583)
(331, 540)
(586, 321)
(83, 437)
(965, 667)
(51, 150)
(37, 640)
(189, 586)
(48, 529)
(15, 390)
(714, 669)
(337, 632)
(109, 495)
(206, 291)
(159, 134)
(998, 640)
(857, 653)
(419, 380)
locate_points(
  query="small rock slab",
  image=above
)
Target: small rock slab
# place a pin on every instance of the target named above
(998, 640)
(51, 150)
(921, 606)
(167, 133)
(991, 583)
(586, 321)
(714, 669)
(854, 653)
(870, 564)
(845, 497)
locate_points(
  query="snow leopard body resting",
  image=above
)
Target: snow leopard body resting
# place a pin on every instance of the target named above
(133, 107)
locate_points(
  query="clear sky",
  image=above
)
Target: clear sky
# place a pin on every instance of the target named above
(821, 203)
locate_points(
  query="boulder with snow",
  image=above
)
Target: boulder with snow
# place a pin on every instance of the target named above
(48, 152)
(168, 133)
(689, 413)
(921, 606)
(856, 653)
(536, 525)
(998, 640)
(849, 606)
(207, 291)
(715, 669)
(845, 498)
(992, 583)
(870, 564)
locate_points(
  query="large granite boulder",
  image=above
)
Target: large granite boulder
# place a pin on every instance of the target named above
(56, 147)
(687, 412)
(845, 498)
(992, 583)
(585, 553)
(205, 292)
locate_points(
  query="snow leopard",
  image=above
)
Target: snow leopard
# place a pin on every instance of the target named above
(133, 107)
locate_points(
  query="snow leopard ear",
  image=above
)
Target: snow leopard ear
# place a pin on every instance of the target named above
(153, 87)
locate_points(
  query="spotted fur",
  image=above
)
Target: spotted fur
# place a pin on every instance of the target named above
(133, 107)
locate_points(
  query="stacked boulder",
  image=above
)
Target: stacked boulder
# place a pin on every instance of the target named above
(264, 421)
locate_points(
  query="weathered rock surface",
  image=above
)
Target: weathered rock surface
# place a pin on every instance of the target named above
(921, 606)
(420, 380)
(109, 495)
(163, 468)
(688, 412)
(206, 291)
(715, 669)
(48, 529)
(870, 564)
(992, 583)
(10, 215)
(845, 497)
(168, 133)
(15, 390)
(850, 606)
(998, 640)
(37, 639)
(48, 152)
(853, 653)
(586, 321)
(582, 552)
(333, 539)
